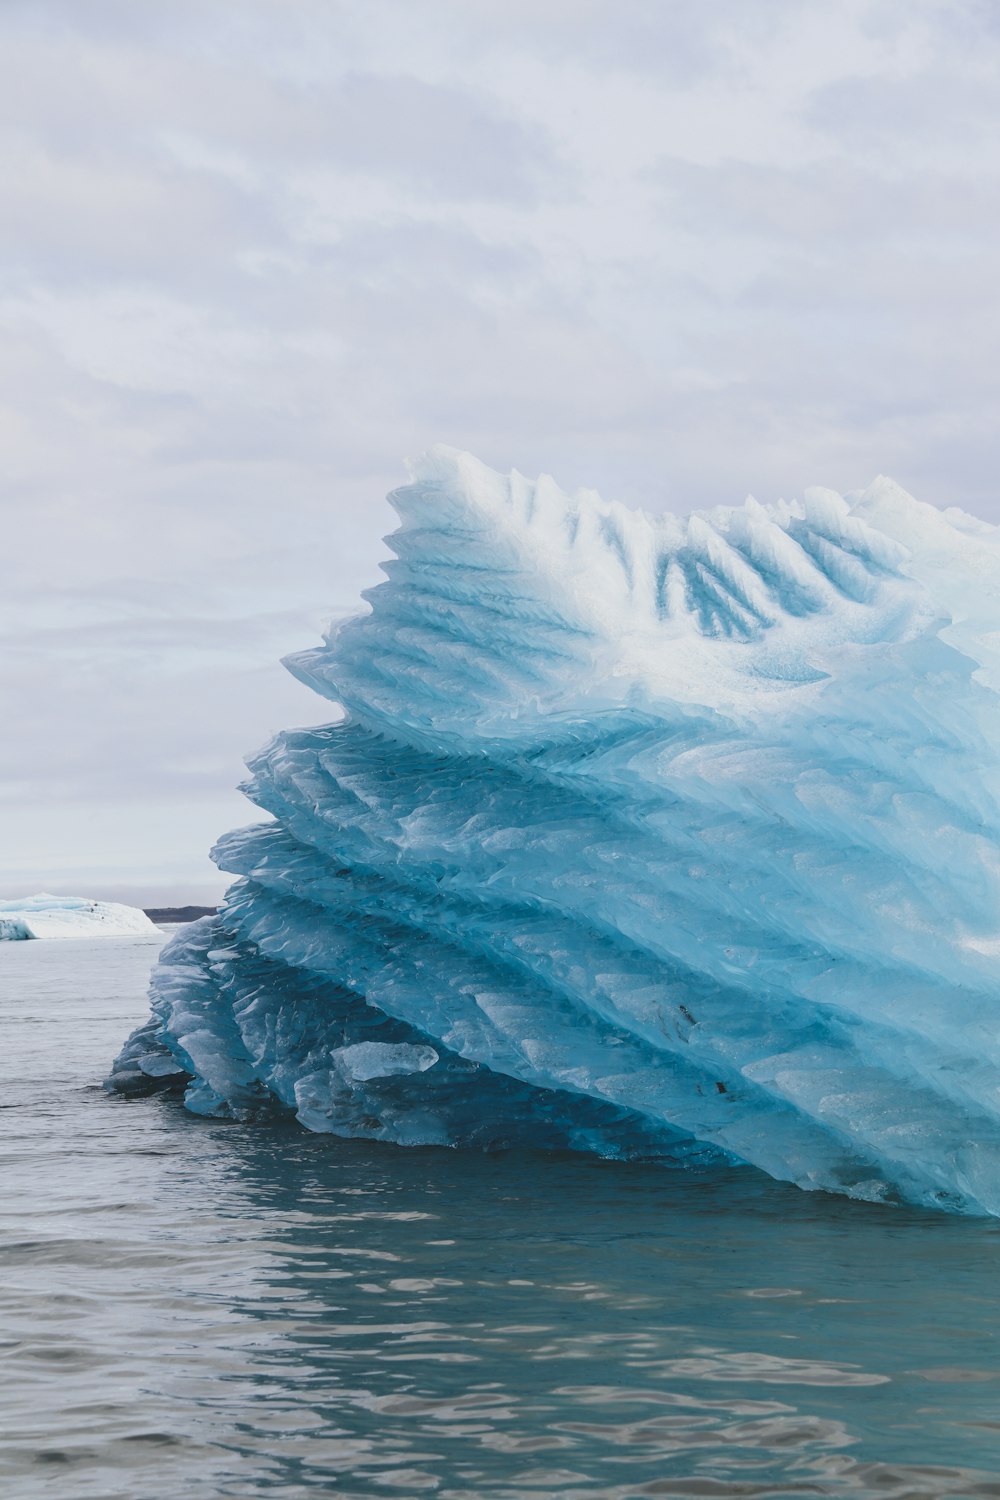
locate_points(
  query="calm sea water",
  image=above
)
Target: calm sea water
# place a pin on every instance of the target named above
(194, 1309)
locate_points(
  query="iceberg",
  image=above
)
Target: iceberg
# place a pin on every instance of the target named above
(631, 834)
(45, 916)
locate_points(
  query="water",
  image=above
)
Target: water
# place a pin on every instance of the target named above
(196, 1309)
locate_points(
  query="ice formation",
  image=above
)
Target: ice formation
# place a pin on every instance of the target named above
(635, 834)
(45, 916)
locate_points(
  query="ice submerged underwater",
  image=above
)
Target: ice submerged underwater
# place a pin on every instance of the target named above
(636, 835)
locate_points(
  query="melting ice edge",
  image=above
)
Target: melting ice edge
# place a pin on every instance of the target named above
(635, 835)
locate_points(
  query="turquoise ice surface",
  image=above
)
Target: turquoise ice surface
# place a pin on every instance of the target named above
(657, 839)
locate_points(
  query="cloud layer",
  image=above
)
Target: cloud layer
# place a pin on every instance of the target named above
(254, 254)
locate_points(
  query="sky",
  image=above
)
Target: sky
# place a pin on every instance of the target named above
(256, 253)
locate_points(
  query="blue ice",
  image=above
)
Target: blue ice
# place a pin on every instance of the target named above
(631, 834)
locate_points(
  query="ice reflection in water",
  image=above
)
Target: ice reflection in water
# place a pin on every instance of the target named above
(201, 1310)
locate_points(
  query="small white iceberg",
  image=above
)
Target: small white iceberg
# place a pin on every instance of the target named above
(45, 916)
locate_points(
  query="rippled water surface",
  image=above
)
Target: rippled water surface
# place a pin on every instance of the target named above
(194, 1309)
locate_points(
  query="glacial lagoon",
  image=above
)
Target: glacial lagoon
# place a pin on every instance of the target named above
(197, 1308)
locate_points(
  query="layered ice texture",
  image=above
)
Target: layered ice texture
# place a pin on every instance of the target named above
(636, 835)
(45, 916)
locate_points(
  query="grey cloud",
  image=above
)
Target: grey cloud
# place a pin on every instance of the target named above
(254, 254)
(71, 219)
(835, 203)
(674, 43)
(856, 312)
(119, 99)
(112, 734)
(916, 118)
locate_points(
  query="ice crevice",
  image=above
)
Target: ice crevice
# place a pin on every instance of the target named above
(637, 835)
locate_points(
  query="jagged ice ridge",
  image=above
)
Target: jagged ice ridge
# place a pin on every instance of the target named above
(636, 835)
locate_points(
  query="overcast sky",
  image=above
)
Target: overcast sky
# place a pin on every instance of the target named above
(256, 252)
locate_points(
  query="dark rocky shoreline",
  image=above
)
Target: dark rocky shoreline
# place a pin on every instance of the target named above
(178, 913)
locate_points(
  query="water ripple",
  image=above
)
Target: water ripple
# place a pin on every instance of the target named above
(202, 1310)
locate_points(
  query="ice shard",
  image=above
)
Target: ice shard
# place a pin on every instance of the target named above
(632, 834)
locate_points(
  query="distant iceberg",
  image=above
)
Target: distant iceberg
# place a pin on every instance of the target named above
(46, 916)
(637, 835)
